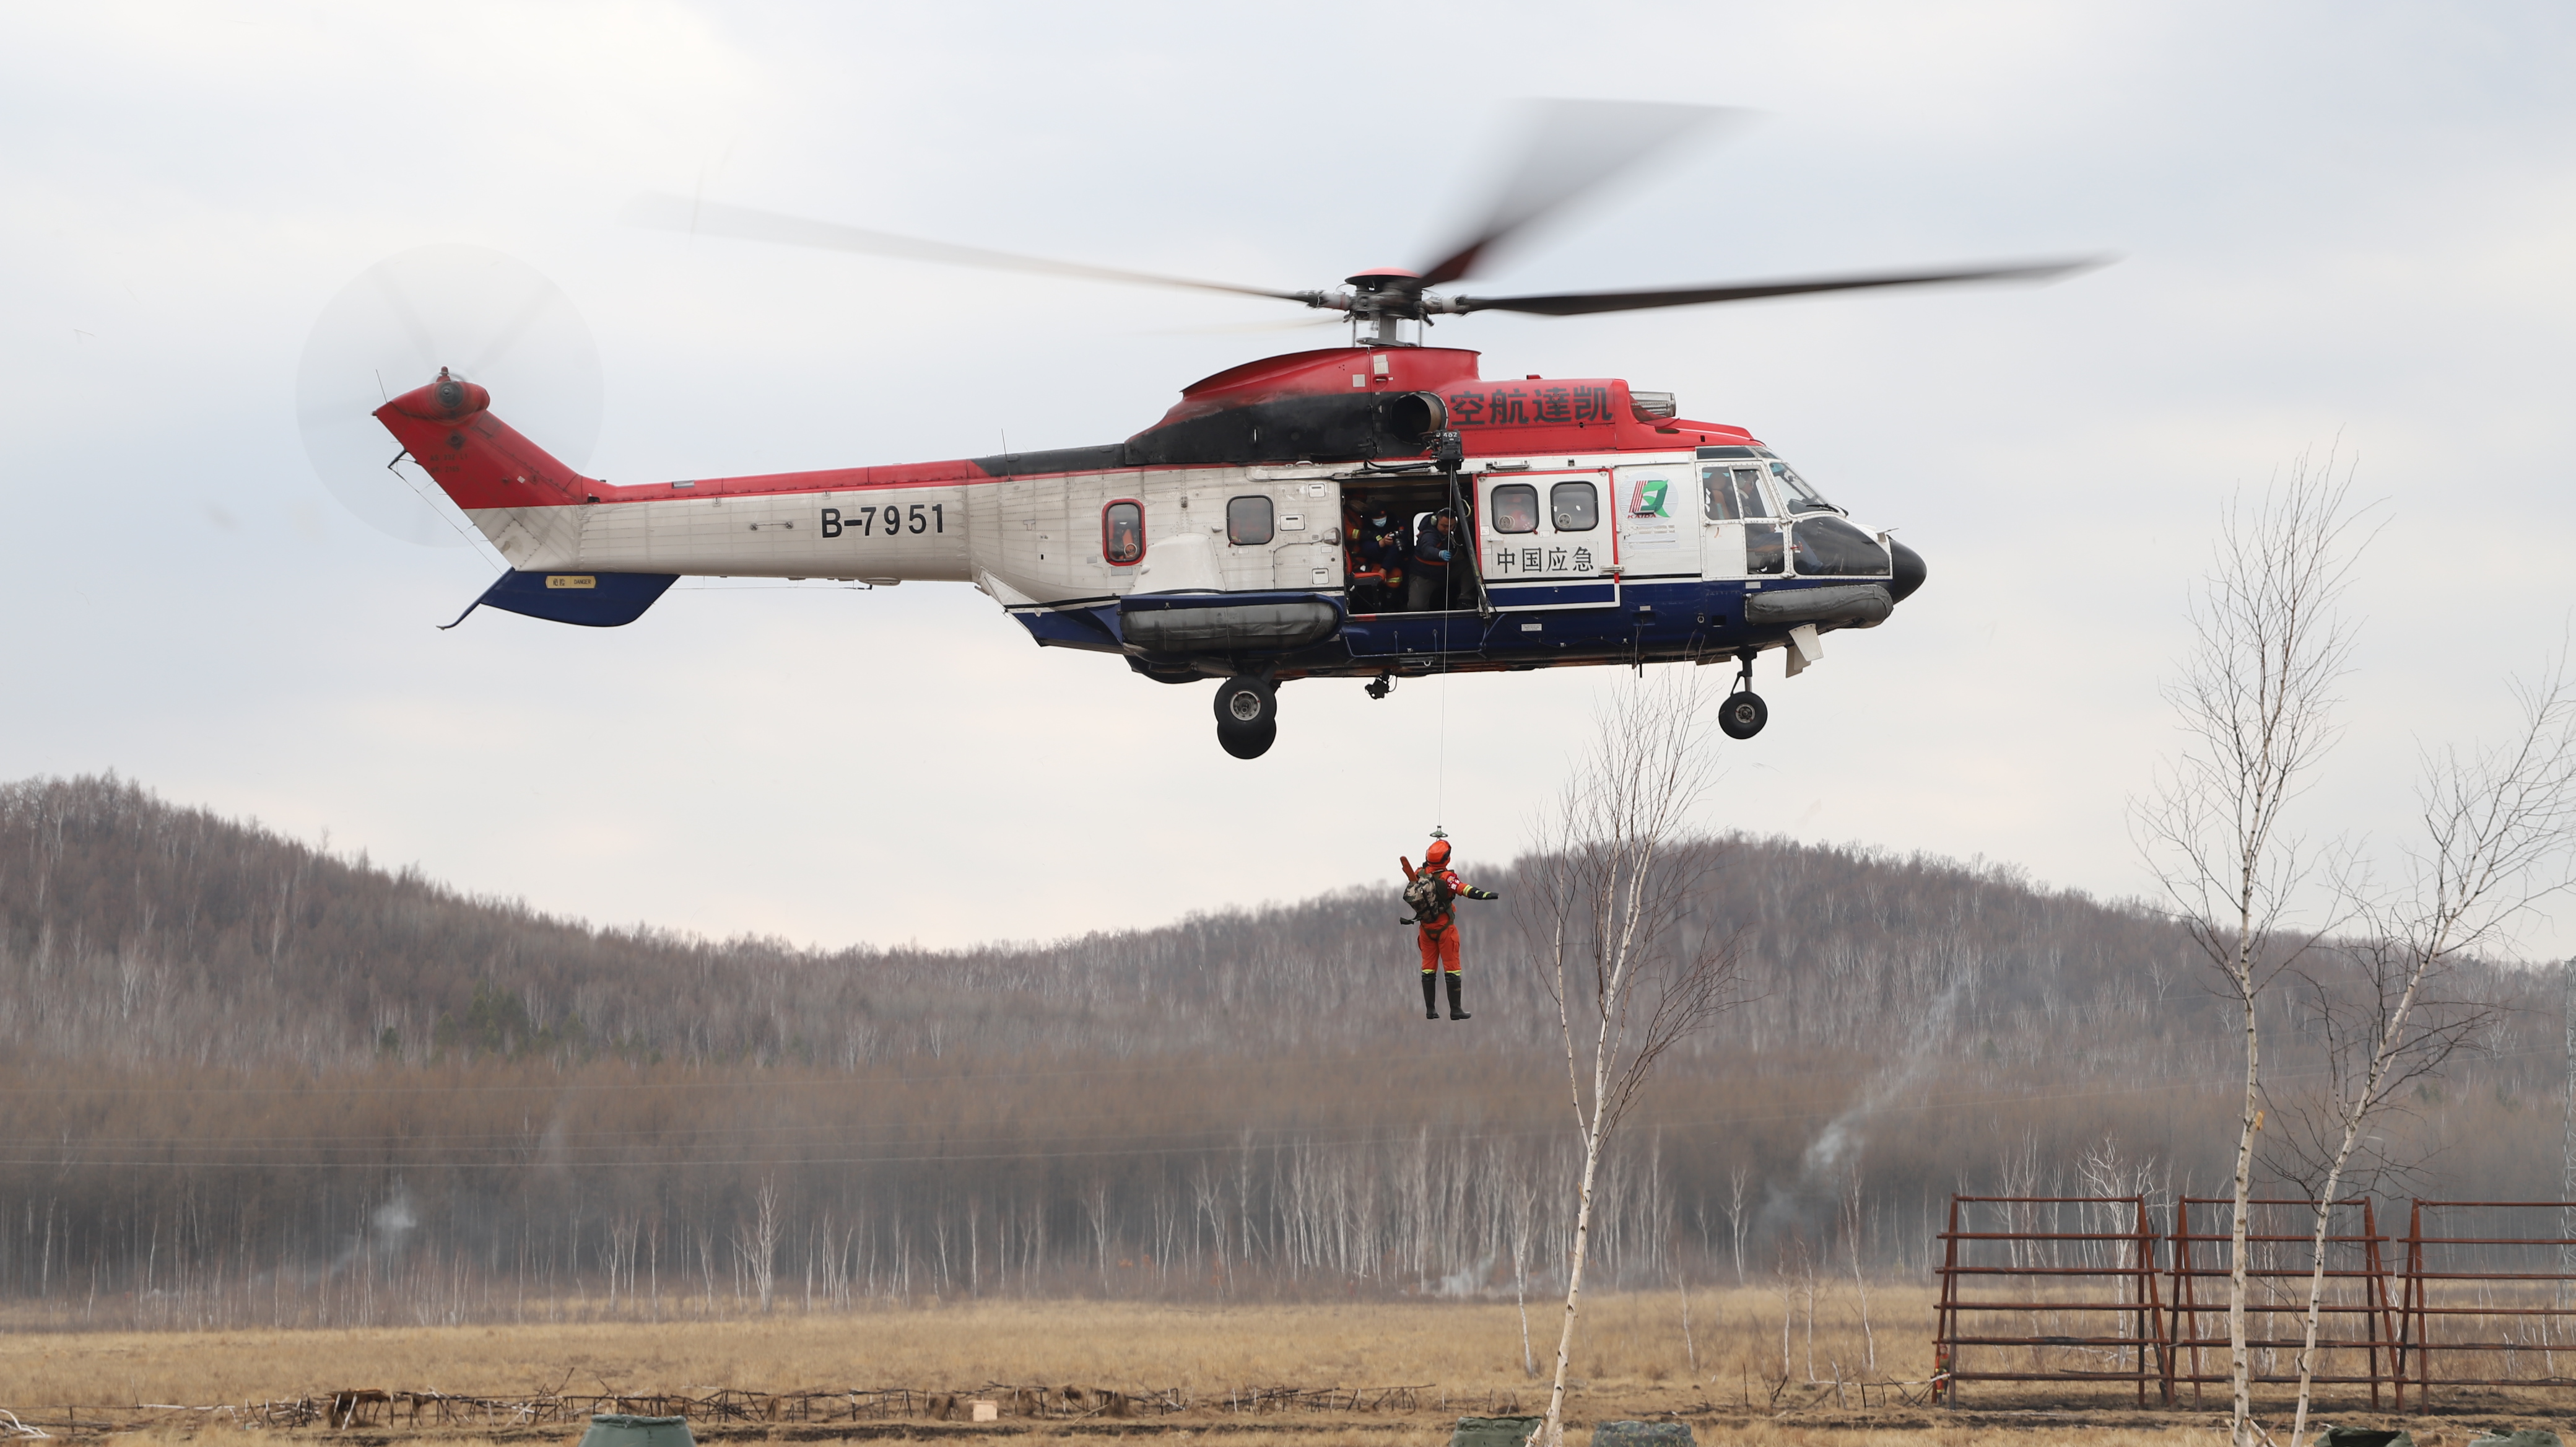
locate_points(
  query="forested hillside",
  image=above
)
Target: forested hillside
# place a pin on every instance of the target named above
(250, 1078)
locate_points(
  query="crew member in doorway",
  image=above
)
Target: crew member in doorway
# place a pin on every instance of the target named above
(1429, 588)
(1379, 542)
(1433, 891)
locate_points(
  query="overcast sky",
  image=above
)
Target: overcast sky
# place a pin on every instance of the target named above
(2345, 226)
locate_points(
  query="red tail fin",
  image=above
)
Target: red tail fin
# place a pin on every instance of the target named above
(475, 458)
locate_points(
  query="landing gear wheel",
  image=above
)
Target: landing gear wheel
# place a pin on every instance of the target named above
(1249, 743)
(1246, 703)
(1742, 715)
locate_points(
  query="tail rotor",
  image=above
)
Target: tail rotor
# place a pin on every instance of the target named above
(485, 315)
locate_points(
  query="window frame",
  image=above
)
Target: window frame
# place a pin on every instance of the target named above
(1494, 508)
(1143, 543)
(1269, 520)
(1555, 524)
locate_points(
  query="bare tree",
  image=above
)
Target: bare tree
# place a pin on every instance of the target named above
(1605, 906)
(1735, 1216)
(2255, 704)
(1523, 1204)
(1854, 1221)
(1689, 1347)
(1096, 1206)
(2496, 833)
(756, 1241)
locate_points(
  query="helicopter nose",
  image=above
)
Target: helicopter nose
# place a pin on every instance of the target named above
(1909, 570)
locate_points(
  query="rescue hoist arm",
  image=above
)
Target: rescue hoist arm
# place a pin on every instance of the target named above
(1448, 454)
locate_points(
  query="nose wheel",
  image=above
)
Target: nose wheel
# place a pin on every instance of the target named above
(1247, 716)
(1744, 713)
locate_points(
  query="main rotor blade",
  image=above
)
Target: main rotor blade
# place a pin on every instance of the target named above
(1230, 329)
(709, 218)
(1583, 303)
(1573, 147)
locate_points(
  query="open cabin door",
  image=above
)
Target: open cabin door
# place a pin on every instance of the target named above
(1544, 540)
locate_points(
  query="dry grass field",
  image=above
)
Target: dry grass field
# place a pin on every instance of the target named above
(1632, 1361)
(1627, 1343)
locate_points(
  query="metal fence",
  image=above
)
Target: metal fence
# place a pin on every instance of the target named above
(2096, 1287)
(2473, 1286)
(2085, 1289)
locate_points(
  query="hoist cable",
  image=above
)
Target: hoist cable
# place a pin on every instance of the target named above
(1440, 794)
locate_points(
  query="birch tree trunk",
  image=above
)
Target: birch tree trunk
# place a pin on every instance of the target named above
(2497, 836)
(2239, 1366)
(2255, 704)
(1554, 1431)
(1605, 907)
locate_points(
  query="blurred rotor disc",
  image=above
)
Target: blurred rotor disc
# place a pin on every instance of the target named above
(487, 317)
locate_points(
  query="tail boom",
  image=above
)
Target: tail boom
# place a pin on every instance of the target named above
(874, 523)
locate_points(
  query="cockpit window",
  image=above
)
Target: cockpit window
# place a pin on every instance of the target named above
(1793, 488)
(1732, 494)
(1762, 547)
(1830, 547)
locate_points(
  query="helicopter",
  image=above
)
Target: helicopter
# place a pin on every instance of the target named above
(1583, 521)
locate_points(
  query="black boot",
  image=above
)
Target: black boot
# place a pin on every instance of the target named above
(1430, 996)
(1454, 1012)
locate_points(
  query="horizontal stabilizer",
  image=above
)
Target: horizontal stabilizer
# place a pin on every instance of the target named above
(593, 600)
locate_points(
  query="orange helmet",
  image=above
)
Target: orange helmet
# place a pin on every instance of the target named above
(1437, 855)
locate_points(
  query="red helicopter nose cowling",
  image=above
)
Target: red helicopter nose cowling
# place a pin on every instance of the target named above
(449, 399)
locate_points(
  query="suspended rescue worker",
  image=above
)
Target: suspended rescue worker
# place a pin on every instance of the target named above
(1433, 891)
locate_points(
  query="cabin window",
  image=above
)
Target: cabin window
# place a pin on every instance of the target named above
(1516, 508)
(1247, 522)
(1731, 494)
(1576, 506)
(1122, 533)
(1830, 547)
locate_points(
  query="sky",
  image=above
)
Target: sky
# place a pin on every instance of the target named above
(2344, 233)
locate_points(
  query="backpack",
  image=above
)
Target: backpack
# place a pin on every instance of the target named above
(1428, 896)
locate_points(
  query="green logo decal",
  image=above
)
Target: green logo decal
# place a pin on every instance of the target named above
(1650, 499)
